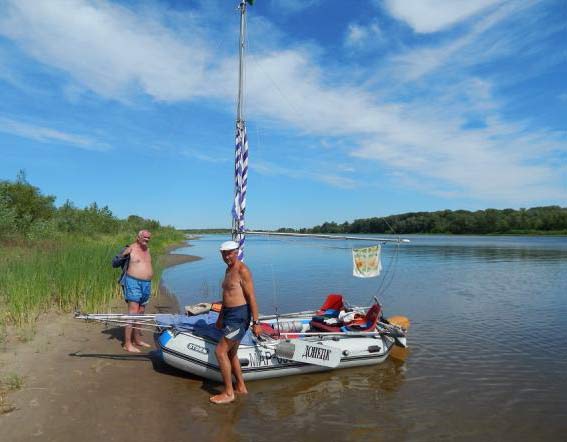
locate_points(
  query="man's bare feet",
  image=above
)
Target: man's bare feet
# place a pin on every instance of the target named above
(240, 389)
(131, 349)
(142, 344)
(222, 398)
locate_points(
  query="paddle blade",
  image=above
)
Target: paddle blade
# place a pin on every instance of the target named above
(309, 353)
(400, 321)
(399, 354)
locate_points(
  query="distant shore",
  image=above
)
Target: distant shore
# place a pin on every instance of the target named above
(170, 259)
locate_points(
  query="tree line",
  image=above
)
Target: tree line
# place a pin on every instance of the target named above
(25, 212)
(548, 219)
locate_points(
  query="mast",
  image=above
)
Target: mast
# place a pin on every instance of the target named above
(241, 149)
(241, 53)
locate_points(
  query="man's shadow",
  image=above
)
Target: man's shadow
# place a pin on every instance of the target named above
(154, 356)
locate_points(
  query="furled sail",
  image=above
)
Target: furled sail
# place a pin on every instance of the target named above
(240, 182)
(241, 150)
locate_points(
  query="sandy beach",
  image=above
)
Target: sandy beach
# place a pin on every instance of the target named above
(78, 384)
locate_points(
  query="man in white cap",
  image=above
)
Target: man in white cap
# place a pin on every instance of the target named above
(238, 307)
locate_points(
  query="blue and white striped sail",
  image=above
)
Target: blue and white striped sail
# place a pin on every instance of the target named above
(241, 150)
(240, 183)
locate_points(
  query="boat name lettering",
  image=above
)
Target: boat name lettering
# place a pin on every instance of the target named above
(259, 359)
(198, 348)
(316, 353)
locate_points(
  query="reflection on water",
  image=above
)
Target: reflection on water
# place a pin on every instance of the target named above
(302, 395)
(488, 339)
(314, 407)
(504, 254)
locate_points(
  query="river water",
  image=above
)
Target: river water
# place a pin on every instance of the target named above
(488, 338)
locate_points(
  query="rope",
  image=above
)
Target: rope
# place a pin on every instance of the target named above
(392, 265)
(385, 282)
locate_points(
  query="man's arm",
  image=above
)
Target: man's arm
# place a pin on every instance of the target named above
(127, 250)
(249, 294)
(120, 259)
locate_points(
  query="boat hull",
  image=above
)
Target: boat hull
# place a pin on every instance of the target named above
(196, 355)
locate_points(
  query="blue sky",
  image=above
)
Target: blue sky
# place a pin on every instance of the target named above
(354, 109)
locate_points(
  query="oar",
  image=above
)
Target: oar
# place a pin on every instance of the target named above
(347, 333)
(151, 327)
(101, 316)
(398, 352)
(305, 313)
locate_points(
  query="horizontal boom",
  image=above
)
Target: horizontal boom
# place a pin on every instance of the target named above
(317, 235)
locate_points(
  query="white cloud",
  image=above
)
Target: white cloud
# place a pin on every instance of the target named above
(115, 52)
(359, 35)
(108, 48)
(423, 137)
(48, 135)
(457, 52)
(355, 34)
(332, 179)
(425, 16)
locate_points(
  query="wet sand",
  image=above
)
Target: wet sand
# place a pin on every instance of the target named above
(78, 384)
(170, 259)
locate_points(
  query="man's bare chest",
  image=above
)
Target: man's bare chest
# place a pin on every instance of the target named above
(140, 256)
(231, 281)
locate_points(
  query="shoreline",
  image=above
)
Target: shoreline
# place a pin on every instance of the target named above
(170, 259)
(76, 383)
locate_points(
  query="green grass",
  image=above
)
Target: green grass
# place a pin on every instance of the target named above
(72, 273)
(13, 382)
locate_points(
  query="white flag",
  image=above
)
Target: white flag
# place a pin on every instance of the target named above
(366, 262)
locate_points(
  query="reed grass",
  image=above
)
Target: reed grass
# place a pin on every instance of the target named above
(12, 382)
(67, 274)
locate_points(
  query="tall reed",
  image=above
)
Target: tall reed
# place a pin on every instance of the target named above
(71, 273)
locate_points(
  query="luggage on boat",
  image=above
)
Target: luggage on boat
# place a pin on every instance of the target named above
(334, 316)
(295, 326)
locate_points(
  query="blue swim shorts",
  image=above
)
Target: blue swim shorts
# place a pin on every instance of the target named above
(235, 322)
(136, 290)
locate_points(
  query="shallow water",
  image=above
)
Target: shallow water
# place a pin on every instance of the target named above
(488, 338)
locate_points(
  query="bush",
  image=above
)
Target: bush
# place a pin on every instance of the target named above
(8, 217)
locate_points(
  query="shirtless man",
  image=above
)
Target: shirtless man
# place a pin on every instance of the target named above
(238, 304)
(137, 286)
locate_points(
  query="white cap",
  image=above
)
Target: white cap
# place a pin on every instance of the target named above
(228, 245)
